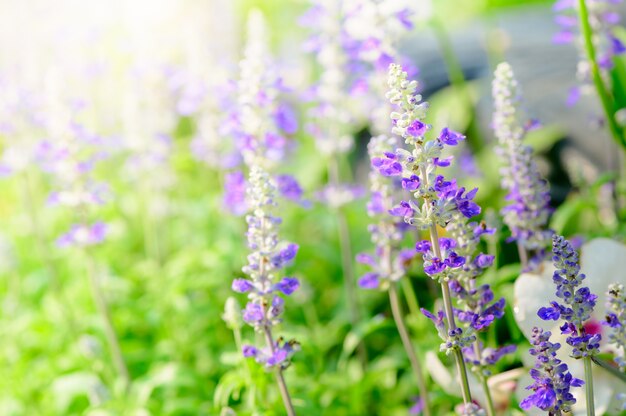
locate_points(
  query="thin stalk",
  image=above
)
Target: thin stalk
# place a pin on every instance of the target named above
(484, 382)
(345, 246)
(608, 367)
(398, 317)
(239, 345)
(105, 314)
(280, 380)
(456, 76)
(449, 312)
(44, 252)
(603, 93)
(409, 295)
(591, 411)
(458, 356)
(523, 255)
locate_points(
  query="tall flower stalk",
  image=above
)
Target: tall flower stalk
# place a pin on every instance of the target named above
(478, 309)
(598, 45)
(71, 158)
(330, 121)
(390, 261)
(552, 380)
(577, 304)
(528, 210)
(269, 255)
(434, 204)
(616, 320)
(605, 98)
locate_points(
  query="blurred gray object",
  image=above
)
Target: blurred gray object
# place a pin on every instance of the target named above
(546, 72)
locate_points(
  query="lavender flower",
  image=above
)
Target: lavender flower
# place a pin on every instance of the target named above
(603, 19)
(552, 379)
(265, 285)
(389, 263)
(268, 257)
(528, 210)
(578, 302)
(616, 320)
(436, 202)
(70, 160)
(260, 124)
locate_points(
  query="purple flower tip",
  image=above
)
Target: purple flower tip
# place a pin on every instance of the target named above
(241, 285)
(288, 285)
(369, 281)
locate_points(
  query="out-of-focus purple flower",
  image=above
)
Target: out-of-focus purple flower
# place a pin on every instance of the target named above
(370, 281)
(337, 196)
(83, 235)
(250, 351)
(241, 285)
(289, 188)
(235, 193)
(285, 118)
(528, 209)
(403, 209)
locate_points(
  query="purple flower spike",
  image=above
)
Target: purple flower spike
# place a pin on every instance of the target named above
(551, 378)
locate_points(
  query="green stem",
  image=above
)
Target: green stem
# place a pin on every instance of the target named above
(608, 367)
(589, 387)
(345, 246)
(280, 379)
(105, 314)
(484, 381)
(523, 255)
(449, 312)
(411, 298)
(456, 78)
(398, 317)
(603, 93)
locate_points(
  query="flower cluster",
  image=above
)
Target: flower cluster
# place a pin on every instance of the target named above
(603, 18)
(390, 262)
(616, 320)
(259, 123)
(578, 302)
(528, 210)
(331, 109)
(417, 168)
(552, 379)
(70, 156)
(268, 257)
